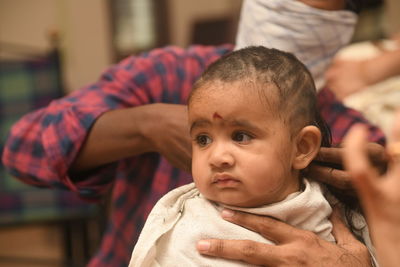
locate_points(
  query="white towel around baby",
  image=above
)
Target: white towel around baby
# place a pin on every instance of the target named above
(183, 217)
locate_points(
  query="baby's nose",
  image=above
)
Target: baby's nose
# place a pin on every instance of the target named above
(221, 156)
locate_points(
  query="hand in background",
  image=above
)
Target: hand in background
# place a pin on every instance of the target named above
(379, 194)
(345, 77)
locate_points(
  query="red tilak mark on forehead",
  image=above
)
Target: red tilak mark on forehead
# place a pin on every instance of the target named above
(217, 116)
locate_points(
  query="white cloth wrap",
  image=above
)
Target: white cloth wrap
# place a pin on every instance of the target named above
(313, 35)
(183, 217)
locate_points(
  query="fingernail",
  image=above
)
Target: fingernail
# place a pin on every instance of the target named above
(203, 245)
(227, 213)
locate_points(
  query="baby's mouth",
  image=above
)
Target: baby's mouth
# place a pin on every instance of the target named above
(225, 180)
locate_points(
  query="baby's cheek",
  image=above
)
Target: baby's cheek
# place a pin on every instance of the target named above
(197, 167)
(266, 180)
(201, 179)
(269, 187)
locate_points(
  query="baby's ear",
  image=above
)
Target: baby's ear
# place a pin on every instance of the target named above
(308, 142)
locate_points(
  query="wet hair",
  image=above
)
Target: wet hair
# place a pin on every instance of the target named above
(281, 79)
(294, 98)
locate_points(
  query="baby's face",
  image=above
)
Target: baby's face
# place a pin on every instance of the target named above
(242, 151)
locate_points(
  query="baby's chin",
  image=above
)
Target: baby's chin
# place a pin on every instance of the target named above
(238, 202)
(237, 197)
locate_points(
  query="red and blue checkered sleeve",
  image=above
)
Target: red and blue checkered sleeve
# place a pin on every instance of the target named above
(42, 145)
(340, 118)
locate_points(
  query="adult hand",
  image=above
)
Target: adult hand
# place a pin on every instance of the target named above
(379, 194)
(293, 247)
(168, 134)
(345, 77)
(327, 166)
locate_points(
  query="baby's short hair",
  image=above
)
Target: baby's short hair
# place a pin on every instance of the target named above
(270, 68)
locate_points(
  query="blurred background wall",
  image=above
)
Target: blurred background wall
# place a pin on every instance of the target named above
(94, 33)
(83, 29)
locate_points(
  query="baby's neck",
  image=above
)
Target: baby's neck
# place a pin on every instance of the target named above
(290, 194)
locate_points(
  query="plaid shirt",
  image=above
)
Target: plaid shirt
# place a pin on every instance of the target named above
(43, 144)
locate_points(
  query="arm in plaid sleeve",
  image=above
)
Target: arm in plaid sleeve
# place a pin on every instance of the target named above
(42, 146)
(340, 118)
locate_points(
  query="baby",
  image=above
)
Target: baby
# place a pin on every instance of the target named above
(255, 126)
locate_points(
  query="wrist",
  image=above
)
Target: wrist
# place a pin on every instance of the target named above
(145, 118)
(369, 73)
(114, 135)
(381, 67)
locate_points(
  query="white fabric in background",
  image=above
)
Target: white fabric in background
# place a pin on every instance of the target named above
(378, 102)
(183, 217)
(313, 35)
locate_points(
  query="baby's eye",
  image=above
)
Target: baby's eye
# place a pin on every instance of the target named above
(241, 137)
(203, 140)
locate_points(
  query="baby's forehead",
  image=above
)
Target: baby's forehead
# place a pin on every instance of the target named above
(240, 96)
(243, 88)
(245, 91)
